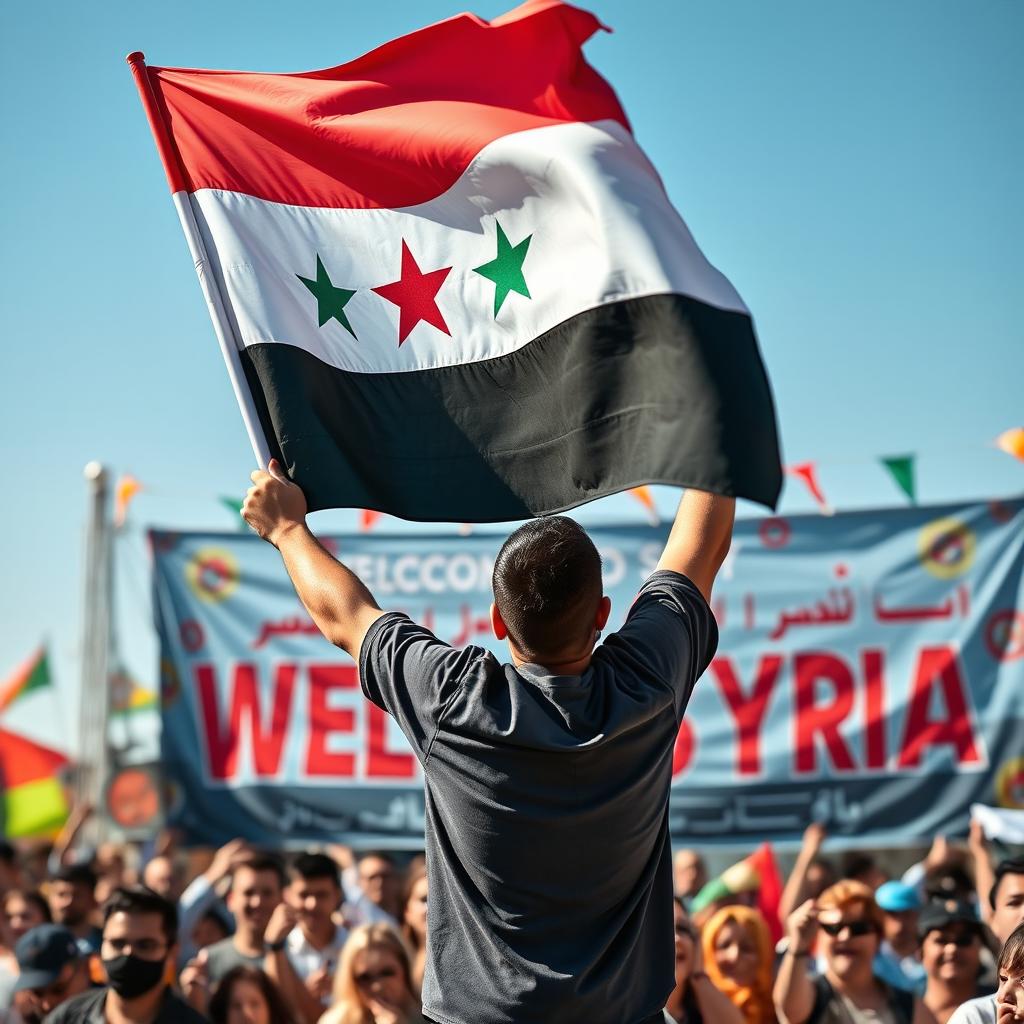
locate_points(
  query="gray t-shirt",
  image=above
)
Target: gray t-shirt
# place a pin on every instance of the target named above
(222, 956)
(976, 1011)
(547, 812)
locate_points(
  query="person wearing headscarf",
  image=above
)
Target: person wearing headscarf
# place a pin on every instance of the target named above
(738, 958)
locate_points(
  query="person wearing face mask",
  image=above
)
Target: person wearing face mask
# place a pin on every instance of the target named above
(951, 942)
(1010, 995)
(1006, 903)
(738, 955)
(137, 951)
(847, 925)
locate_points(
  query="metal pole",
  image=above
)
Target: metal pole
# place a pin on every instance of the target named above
(95, 689)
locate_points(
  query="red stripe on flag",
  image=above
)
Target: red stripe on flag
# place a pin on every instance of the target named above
(393, 128)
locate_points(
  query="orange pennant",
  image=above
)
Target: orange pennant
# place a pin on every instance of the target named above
(1012, 442)
(127, 488)
(646, 498)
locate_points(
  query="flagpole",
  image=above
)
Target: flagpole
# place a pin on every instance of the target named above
(182, 199)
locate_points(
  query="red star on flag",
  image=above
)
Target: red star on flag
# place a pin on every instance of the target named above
(414, 295)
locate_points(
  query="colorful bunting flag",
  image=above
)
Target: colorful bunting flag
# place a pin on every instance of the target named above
(901, 467)
(128, 696)
(646, 498)
(235, 506)
(368, 519)
(808, 473)
(33, 796)
(33, 674)
(127, 488)
(1012, 442)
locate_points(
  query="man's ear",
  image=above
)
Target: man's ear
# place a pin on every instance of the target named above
(498, 623)
(604, 609)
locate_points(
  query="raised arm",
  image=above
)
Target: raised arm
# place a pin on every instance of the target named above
(795, 891)
(700, 538)
(336, 599)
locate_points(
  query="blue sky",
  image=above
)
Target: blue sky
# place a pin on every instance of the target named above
(852, 167)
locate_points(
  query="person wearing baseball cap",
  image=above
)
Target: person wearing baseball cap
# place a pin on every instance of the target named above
(899, 956)
(951, 940)
(51, 967)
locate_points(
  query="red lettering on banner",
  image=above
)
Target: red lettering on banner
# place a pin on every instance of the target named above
(244, 700)
(873, 668)
(814, 719)
(748, 712)
(938, 668)
(682, 753)
(381, 762)
(324, 720)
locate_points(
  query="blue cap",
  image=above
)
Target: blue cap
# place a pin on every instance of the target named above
(895, 897)
(42, 953)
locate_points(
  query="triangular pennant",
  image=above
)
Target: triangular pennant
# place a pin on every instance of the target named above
(808, 472)
(235, 506)
(368, 519)
(902, 469)
(646, 498)
(127, 488)
(32, 674)
(1012, 442)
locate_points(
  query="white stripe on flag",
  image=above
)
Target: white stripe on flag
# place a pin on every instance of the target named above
(602, 230)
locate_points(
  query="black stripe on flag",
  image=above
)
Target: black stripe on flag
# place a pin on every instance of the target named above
(660, 389)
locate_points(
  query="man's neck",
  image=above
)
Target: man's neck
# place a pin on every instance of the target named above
(322, 937)
(142, 1010)
(248, 941)
(947, 996)
(572, 666)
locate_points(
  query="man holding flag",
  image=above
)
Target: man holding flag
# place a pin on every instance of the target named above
(547, 779)
(449, 285)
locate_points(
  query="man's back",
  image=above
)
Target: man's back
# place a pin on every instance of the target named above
(547, 796)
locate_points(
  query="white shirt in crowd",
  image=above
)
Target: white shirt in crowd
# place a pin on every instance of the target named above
(976, 1011)
(306, 959)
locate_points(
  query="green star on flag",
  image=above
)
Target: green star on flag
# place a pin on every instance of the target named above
(506, 269)
(330, 301)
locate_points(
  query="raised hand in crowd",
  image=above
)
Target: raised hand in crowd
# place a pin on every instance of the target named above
(194, 982)
(984, 875)
(225, 859)
(799, 884)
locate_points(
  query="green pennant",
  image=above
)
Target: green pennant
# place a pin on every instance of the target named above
(233, 505)
(901, 467)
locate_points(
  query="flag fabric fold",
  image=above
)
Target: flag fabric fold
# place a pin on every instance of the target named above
(457, 285)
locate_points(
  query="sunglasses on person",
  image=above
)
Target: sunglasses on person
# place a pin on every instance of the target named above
(856, 928)
(961, 939)
(369, 977)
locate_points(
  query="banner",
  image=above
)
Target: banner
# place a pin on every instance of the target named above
(870, 676)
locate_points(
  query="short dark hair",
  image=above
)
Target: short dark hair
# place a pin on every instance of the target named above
(857, 864)
(308, 866)
(547, 585)
(221, 999)
(75, 874)
(137, 899)
(8, 854)
(1011, 866)
(261, 862)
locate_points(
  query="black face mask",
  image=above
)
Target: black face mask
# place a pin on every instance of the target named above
(130, 976)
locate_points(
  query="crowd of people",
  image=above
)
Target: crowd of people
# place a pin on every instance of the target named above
(333, 937)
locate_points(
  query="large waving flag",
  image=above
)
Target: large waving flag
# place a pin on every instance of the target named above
(450, 286)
